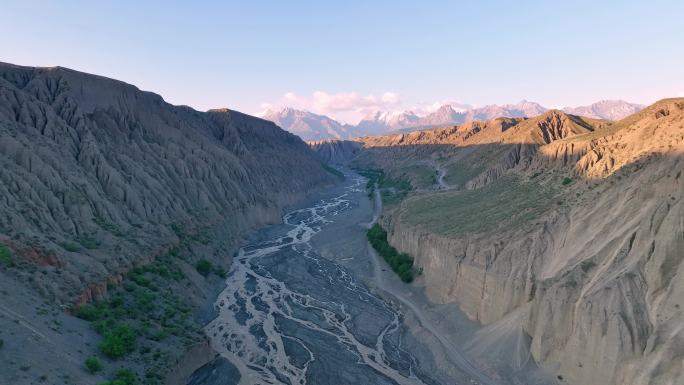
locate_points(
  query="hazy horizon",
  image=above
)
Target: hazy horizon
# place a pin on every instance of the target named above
(345, 60)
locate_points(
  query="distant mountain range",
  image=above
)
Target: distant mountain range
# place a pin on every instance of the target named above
(310, 126)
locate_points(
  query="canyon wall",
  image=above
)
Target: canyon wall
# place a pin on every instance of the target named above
(588, 254)
(98, 177)
(332, 151)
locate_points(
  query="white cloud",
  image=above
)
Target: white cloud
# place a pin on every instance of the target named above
(345, 106)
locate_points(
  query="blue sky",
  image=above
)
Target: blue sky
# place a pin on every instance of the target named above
(343, 58)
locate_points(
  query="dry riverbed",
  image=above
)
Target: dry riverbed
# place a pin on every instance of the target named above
(309, 302)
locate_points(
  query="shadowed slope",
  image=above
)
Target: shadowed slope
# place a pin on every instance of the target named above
(97, 177)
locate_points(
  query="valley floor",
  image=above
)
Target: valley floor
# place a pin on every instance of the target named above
(310, 302)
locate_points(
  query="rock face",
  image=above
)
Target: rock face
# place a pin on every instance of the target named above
(570, 226)
(93, 161)
(338, 152)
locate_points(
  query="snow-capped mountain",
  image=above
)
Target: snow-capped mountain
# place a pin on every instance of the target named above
(524, 109)
(310, 126)
(381, 122)
(606, 109)
(444, 115)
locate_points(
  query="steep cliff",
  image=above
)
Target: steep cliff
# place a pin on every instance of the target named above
(98, 177)
(567, 229)
(335, 151)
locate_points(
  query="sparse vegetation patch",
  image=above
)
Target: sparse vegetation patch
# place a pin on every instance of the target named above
(392, 190)
(505, 201)
(140, 313)
(123, 377)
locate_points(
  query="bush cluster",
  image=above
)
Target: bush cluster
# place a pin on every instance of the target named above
(401, 263)
(203, 267)
(144, 308)
(119, 341)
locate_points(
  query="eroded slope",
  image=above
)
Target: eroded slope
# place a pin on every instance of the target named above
(98, 177)
(566, 228)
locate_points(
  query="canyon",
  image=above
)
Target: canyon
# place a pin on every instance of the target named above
(200, 248)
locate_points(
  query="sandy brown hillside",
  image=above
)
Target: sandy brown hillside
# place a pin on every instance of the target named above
(97, 180)
(565, 230)
(450, 157)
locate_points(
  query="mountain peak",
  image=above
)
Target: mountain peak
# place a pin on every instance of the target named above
(311, 126)
(606, 109)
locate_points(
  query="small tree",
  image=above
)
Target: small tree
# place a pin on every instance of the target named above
(93, 364)
(203, 267)
(118, 342)
(6, 256)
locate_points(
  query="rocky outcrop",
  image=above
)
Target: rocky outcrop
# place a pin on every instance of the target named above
(596, 279)
(338, 152)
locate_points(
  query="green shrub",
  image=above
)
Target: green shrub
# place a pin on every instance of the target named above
(123, 377)
(118, 342)
(139, 279)
(70, 246)
(126, 376)
(6, 256)
(566, 181)
(91, 312)
(401, 263)
(203, 267)
(93, 364)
